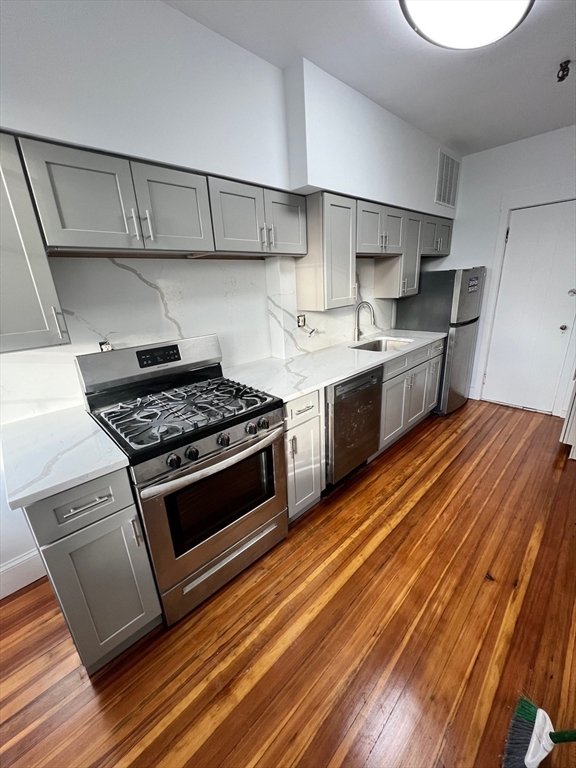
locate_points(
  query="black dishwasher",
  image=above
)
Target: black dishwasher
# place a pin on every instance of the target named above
(353, 414)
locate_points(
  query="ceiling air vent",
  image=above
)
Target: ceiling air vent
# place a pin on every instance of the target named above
(447, 181)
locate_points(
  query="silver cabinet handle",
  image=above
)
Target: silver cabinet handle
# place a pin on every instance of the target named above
(294, 446)
(136, 532)
(264, 237)
(385, 241)
(149, 220)
(77, 511)
(407, 384)
(135, 220)
(381, 239)
(441, 240)
(404, 285)
(303, 410)
(272, 242)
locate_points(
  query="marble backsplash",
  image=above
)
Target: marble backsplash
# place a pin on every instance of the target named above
(251, 305)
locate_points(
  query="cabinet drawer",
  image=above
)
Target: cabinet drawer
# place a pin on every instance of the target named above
(396, 366)
(437, 348)
(59, 515)
(420, 355)
(303, 408)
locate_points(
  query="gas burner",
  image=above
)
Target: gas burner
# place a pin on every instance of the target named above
(157, 418)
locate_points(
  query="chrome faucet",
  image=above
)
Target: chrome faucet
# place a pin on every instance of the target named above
(357, 331)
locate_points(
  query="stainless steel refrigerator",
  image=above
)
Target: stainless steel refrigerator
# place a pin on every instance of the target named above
(449, 301)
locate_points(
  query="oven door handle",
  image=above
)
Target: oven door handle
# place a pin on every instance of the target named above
(163, 489)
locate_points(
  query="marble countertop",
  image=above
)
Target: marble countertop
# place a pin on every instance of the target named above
(303, 374)
(51, 453)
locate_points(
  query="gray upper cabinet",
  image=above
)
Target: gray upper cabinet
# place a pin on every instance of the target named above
(380, 229)
(285, 222)
(369, 237)
(30, 313)
(326, 276)
(84, 199)
(399, 276)
(173, 207)
(251, 219)
(436, 236)
(238, 217)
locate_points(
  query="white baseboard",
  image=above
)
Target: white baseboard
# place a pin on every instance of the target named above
(20, 571)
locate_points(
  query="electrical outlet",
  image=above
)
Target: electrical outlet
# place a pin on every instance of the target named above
(301, 319)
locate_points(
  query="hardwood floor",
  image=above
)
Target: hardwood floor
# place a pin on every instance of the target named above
(396, 627)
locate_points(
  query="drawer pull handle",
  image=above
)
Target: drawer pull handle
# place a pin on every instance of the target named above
(76, 511)
(303, 410)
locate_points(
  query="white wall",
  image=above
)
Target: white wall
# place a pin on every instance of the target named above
(140, 78)
(355, 147)
(533, 171)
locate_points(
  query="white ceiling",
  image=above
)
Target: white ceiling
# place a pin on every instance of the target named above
(468, 100)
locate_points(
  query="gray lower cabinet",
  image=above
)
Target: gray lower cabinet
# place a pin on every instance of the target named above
(326, 276)
(433, 384)
(303, 466)
(84, 199)
(30, 312)
(103, 580)
(436, 236)
(398, 276)
(407, 399)
(173, 208)
(306, 477)
(249, 219)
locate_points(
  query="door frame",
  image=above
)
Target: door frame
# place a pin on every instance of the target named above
(532, 197)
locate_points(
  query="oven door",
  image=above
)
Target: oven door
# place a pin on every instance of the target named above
(194, 517)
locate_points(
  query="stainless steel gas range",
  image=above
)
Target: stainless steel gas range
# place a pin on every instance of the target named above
(206, 459)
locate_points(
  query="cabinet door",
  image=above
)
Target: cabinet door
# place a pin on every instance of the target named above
(174, 209)
(103, 580)
(238, 216)
(84, 199)
(433, 383)
(411, 257)
(370, 232)
(285, 222)
(429, 239)
(303, 462)
(339, 216)
(444, 237)
(30, 312)
(394, 398)
(418, 382)
(394, 226)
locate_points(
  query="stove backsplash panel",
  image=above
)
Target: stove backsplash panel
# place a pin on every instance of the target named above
(137, 301)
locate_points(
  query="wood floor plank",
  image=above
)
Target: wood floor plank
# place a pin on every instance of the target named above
(395, 627)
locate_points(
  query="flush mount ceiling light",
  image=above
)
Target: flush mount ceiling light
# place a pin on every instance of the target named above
(464, 24)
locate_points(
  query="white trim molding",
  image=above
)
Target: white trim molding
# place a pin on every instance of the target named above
(20, 571)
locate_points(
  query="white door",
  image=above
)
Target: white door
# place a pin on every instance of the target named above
(534, 312)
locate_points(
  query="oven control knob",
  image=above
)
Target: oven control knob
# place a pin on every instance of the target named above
(264, 423)
(192, 453)
(223, 440)
(173, 461)
(251, 428)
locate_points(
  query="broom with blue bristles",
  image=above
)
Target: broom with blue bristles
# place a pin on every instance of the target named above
(531, 736)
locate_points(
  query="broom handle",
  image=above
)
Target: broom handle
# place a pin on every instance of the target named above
(562, 737)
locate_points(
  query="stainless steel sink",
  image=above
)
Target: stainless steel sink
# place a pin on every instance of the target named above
(383, 344)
